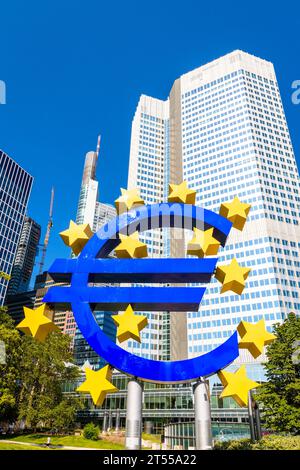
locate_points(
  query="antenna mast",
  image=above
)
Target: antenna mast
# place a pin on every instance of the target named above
(47, 234)
(98, 145)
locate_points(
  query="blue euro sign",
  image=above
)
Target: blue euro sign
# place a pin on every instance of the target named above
(93, 266)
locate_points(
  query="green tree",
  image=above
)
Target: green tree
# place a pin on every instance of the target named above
(64, 414)
(280, 396)
(44, 369)
(91, 431)
(9, 367)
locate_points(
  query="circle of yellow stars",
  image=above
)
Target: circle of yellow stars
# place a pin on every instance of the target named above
(253, 336)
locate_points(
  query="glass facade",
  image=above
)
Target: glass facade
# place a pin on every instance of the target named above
(181, 436)
(83, 352)
(148, 171)
(225, 126)
(225, 129)
(166, 404)
(97, 214)
(25, 257)
(15, 187)
(236, 143)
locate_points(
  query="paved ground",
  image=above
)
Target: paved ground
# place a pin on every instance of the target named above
(50, 447)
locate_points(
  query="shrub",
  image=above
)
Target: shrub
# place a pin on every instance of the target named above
(91, 431)
(241, 444)
(274, 442)
(271, 442)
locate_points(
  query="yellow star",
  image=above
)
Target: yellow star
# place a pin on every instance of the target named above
(237, 385)
(181, 193)
(129, 199)
(254, 337)
(129, 325)
(76, 236)
(98, 384)
(203, 243)
(36, 323)
(131, 247)
(232, 276)
(235, 211)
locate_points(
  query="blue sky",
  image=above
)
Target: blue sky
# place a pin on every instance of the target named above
(74, 69)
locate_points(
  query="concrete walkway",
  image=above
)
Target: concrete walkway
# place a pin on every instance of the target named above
(44, 446)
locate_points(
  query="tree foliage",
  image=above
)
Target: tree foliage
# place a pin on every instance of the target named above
(9, 367)
(280, 395)
(32, 378)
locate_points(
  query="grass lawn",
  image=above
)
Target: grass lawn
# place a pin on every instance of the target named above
(6, 446)
(72, 441)
(155, 438)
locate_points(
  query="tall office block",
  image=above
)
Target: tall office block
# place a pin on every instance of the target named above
(223, 129)
(25, 257)
(149, 170)
(15, 304)
(60, 315)
(103, 214)
(82, 350)
(88, 191)
(97, 214)
(90, 210)
(15, 187)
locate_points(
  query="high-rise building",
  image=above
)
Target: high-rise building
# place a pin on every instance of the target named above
(15, 304)
(88, 191)
(90, 210)
(149, 170)
(96, 214)
(25, 257)
(58, 313)
(82, 350)
(15, 187)
(224, 131)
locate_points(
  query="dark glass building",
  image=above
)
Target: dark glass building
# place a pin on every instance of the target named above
(16, 302)
(25, 257)
(83, 352)
(15, 187)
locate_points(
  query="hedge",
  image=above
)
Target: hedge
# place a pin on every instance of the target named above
(270, 442)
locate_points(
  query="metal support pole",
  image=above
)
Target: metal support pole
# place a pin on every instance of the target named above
(257, 422)
(118, 420)
(109, 421)
(104, 427)
(134, 415)
(203, 432)
(251, 418)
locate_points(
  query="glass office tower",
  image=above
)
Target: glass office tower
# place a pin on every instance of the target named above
(148, 171)
(223, 129)
(97, 214)
(25, 257)
(15, 187)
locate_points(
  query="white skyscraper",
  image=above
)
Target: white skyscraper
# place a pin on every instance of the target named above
(148, 171)
(223, 129)
(90, 210)
(96, 214)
